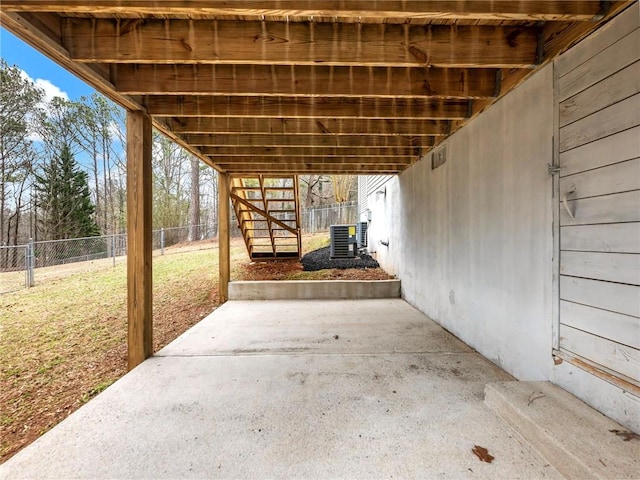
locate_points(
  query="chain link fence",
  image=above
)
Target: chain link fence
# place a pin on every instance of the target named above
(19, 263)
(320, 218)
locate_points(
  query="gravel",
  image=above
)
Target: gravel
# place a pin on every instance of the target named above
(321, 259)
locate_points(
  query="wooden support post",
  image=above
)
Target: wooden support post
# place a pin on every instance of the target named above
(224, 257)
(139, 199)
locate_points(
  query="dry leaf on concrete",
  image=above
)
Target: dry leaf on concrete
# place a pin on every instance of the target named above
(482, 453)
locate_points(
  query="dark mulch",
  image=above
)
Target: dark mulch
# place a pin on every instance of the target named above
(321, 259)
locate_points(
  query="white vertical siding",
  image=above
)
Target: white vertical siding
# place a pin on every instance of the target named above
(599, 199)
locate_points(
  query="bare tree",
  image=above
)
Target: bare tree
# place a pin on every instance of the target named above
(194, 204)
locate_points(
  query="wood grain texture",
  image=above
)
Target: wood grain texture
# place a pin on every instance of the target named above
(614, 356)
(139, 239)
(621, 54)
(615, 297)
(289, 43)
(224, 248)
(303, 126)
(619, 328)
(608, 121)
(616, 208)
(601, 39)
(615, 148)
(613, 238)
(613, 89)
(304, 81)
(616, 178)
(310, 151)
(316, 168)
(611, 267)
(566, 10)
(355, 142)
(312, 107)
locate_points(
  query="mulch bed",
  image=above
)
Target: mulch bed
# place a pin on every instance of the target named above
(321, 259)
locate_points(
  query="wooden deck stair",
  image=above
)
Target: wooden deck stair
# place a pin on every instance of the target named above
(268, 212)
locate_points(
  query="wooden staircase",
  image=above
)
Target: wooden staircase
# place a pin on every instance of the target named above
(268, 211)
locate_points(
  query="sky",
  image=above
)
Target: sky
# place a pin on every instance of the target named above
(48, 75)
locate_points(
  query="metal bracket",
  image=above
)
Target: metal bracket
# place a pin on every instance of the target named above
(540, 43)
(553, 169)
(498, 84)
(605, 6)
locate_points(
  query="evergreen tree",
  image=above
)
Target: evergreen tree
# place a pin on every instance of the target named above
(64, 199)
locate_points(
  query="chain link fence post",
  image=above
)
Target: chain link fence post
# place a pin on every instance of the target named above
(162, 241)
(113, 249)
(30, 262)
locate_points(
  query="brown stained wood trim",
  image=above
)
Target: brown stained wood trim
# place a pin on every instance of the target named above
(224, 250)
(139, 239)
(599, 371)
(296, 126)
(263, 213)
(558, 10)
(351, 141)
(301, 107)
(310, 151)
(290, 43)
(303, 81)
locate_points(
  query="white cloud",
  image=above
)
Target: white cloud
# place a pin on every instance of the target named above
(50, 90)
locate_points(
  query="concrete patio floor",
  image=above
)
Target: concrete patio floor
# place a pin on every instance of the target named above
(283, 389)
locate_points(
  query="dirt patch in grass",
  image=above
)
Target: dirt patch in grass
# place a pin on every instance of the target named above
(63, 341)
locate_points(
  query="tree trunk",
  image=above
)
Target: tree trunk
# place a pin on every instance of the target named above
(194, 234)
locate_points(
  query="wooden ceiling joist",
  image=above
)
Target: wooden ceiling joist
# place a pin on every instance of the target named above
(240, 161)
(347, 141)
(310, 151)
(302, 86)
(314, 168)
(305, 126)
(526, 10)
(306, 107)
(306, 81)
(290, 43)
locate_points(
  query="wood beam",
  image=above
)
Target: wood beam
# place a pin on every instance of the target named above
(310, 151)
(304, 169)
(355, 160)
(139, 238)
(351, 141)
(310, 107)
(304, 81)
(304, 126)
(295, 43)
(557, 10)
(224, 250)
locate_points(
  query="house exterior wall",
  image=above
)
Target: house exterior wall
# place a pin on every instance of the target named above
(473, 242)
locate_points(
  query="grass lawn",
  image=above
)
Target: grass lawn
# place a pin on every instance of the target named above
(64, 341)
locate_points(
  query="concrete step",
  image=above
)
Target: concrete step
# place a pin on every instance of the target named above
(314, 289)
(577, 440)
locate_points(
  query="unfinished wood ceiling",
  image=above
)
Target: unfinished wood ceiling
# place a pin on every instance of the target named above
(297, 87)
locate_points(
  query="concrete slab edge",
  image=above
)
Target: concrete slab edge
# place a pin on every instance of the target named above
(563, 429)
(540, 439)
(314, 289)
